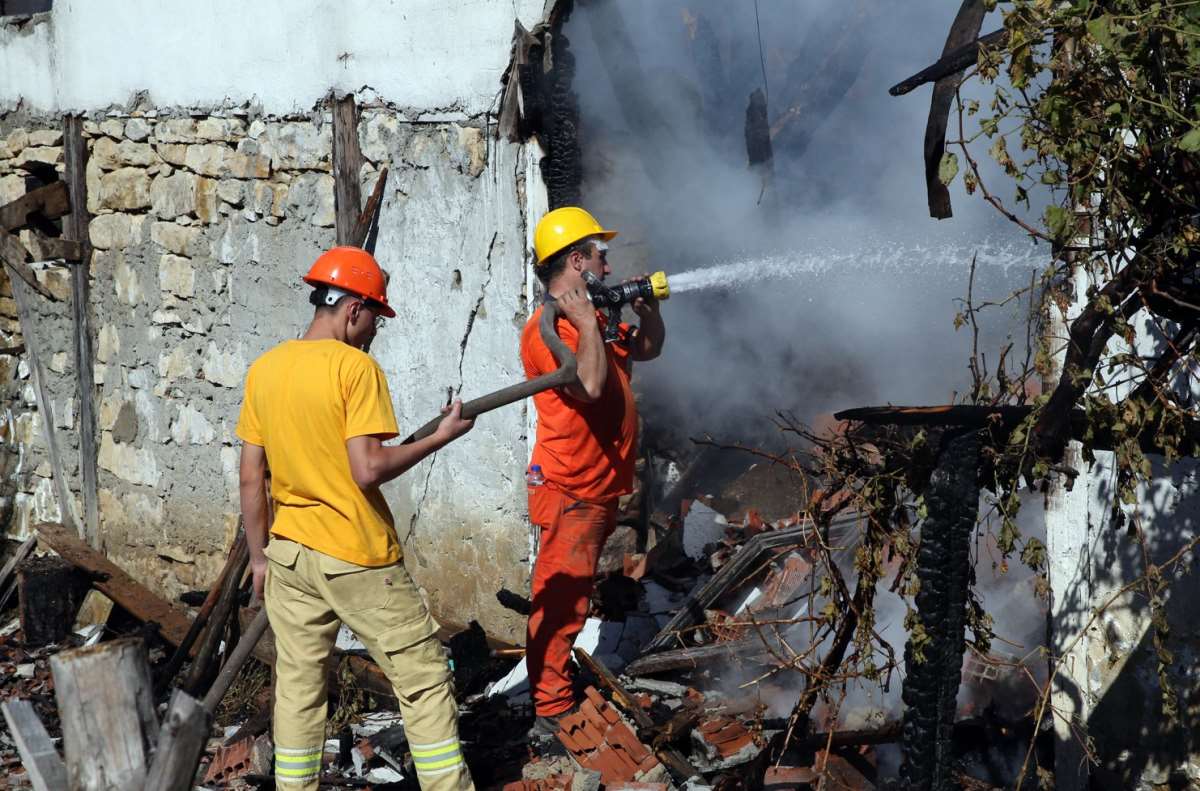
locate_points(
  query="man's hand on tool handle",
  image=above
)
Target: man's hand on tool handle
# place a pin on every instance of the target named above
(453, 425)
(642, 306)
(578, 309)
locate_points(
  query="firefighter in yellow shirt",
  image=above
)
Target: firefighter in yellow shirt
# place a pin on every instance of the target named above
(317, 410)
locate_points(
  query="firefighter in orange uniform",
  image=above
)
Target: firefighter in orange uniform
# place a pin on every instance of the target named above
(586, 448)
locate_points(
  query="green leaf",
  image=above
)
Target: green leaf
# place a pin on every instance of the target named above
(1100, 29)
(1059, 222)
(1190, 142)
(948, 167)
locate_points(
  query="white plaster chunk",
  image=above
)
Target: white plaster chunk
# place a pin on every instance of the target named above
(224, 368)
(110, 230)
(175, 130)
(137, 129)
(229, 466)
(125, 281)
(174, 238)
(45, 502)
(378, 134)
(45, 137)
(191, 427)
(473, 144)
(176, 275)
(311, 197)
(131, 464)
(256, 129)
(109, 345)
(125, 189)
(99, 372)
(58, 362)
(175, 365)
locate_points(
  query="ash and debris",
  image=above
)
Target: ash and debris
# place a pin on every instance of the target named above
(717, 715)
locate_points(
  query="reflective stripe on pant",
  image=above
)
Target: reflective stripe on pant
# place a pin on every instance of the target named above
(572, 535)
(308, 595)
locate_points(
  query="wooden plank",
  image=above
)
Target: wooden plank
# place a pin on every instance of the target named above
(75, 229)
(368, 221)
(12, 351)
(25, 316)
(46, 770)
(347, 163)
(14, 256)
(670, 757)
(51, 201)
(17, 558)
(203, 667)
(48, 248)
(106, 705)
(237, 658)
(184, 732)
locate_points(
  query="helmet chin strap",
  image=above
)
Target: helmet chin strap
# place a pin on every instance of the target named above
(333, 294)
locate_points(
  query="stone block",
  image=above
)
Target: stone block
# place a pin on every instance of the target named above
(49, 155)
(174, 153)
(136, 154)
(175, 195)
(256, 129)
(176, 130)
(93, 173)
(16, 140)
(58, 362)
(126, 283)
(298, 145)
(108, 344)
(225, 129)
(131, 464)
(113, 127)
(11, 187)
(471, 157)
(175, 365)
(207, 159)
(224, 368)
(104, 153)
(45, 137)
(125, 426)
(174, 238)
(191, 427)
(230, 191)
(311, 197)
(207, 203)
(125, 189)
(248, 166)
(176, 275)
(110, 230)
(137, 129)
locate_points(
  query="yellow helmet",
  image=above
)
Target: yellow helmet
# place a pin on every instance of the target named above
(562, 228)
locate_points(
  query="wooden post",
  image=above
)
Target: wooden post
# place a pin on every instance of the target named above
(226, 603)
(25, 316)
(46, 770)
(75, 228)
(106, 704)
(181, 741)
(8, 575)
(347, 162)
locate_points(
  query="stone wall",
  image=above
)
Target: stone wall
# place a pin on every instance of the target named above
(203, 224)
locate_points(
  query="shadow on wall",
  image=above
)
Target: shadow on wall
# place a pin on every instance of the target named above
(1136, 743)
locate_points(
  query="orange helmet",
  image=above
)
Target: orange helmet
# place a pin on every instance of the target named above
(354, 271)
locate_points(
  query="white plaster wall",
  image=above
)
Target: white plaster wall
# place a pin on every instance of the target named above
(436, 56)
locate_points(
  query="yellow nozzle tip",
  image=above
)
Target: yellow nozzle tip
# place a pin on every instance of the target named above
(659, 285)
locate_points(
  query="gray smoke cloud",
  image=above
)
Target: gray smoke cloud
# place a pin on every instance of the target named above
(867, 315)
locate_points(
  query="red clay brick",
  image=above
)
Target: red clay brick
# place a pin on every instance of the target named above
(783, 778)
(595, 697)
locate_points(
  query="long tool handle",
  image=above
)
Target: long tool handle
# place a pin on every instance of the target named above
(564, 375)
(233, 664)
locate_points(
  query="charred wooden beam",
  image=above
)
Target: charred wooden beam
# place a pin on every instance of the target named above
(49, 591)
(203, 667)
(694, 658)
(964, 30)
(347, 163)
(366, 228)
(958, 59)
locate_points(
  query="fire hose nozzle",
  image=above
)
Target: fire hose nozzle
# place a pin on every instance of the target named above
(653, 287)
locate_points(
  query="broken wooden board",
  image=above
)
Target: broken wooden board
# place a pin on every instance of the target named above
(14, 254)
(51, 201)
(45, 769)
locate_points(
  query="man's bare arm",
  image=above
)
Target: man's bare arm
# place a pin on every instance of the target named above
(372, 463)
(591, 363)
(252, 475)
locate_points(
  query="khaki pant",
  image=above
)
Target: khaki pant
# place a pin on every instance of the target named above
(308, 594)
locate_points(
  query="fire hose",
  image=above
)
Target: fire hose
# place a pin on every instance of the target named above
(602, 296)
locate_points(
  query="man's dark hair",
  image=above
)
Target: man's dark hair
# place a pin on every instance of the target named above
(558, 262)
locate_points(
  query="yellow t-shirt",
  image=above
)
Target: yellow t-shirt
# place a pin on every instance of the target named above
(303, 400)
